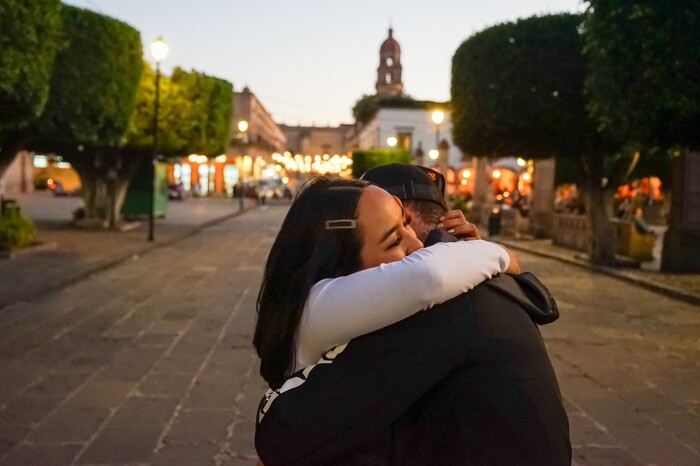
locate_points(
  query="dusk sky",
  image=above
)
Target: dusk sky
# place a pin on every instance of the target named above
(309, 61)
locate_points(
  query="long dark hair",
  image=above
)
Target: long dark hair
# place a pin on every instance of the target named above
(303, 253)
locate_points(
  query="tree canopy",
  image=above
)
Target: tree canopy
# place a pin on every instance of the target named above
(644, 78)
(29, 41)
(517, 88)
(363, 160)
(94, 81)
(368, 105)
(194, 117)
(210, 116)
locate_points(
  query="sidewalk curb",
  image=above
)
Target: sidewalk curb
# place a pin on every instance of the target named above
(119, 260)
(33, 249)
(666, 290)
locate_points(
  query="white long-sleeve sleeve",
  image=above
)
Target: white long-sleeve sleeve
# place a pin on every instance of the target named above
(340, 309)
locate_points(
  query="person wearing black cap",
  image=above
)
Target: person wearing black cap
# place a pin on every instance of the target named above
(419, 392)
(422, 192)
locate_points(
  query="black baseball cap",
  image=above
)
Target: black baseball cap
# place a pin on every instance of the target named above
(409, 182)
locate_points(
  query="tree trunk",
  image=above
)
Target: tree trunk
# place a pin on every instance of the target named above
(599, 212)
(682, 239)
(84, 164)
(112, 159)
(105, 175)
(122, 168)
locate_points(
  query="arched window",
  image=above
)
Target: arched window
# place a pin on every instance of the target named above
(389, 61)
(387, 80)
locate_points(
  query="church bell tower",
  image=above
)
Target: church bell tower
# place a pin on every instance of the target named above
(389, 71)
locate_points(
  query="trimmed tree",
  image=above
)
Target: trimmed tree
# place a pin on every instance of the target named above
(29, 41)
(363, 160)
(210, 112)
(194, 116)
(173, 117)
(368, 105)
(644, 88)
(518, 89)
(92, 98)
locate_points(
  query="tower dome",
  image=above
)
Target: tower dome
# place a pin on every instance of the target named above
(389, 71)
(390, 45)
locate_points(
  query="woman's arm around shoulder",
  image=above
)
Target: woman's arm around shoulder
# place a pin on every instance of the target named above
(343, 308)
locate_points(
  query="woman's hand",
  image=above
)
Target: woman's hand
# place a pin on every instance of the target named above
(455, 223)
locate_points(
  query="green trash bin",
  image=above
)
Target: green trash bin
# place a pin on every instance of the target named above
(138, 197)
(495, 222)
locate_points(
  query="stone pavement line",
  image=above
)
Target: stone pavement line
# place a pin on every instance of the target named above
(27, 441)
(114, 410)
(222, 332)
(597, 443)
(115, 262)
(48, 417)
(626, 359)
(621, 274)
(229, 448)
(156, 321)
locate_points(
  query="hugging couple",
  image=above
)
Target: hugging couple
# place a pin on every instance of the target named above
(391, 334)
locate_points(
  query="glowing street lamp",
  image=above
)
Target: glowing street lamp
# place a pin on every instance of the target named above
(433, 154)
(438, 117)
(242, 128)
(391, 141)
(159, 51)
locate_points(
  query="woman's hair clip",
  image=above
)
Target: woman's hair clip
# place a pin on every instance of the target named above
(344, 224)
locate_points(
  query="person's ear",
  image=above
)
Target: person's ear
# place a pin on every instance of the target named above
(398, 201)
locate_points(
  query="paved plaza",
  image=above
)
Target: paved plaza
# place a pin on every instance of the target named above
(148, 359)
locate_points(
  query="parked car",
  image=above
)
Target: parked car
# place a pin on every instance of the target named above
(59, 190)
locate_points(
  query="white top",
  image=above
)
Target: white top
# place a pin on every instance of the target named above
(340, 309)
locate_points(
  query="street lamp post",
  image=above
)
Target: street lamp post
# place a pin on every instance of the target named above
(438, 117)
(159, 50)
(242, 128)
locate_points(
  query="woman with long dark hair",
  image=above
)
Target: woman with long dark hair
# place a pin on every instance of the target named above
(346, 263)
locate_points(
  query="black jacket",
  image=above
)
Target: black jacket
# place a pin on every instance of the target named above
(468, 382)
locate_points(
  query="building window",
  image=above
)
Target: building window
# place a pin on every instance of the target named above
(389, 61)
(388, 78)
(405, 141)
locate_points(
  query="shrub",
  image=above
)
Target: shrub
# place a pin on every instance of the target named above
(16, 231)
(363, 160)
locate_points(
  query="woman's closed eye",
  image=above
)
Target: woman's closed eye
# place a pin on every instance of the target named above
(406, 224)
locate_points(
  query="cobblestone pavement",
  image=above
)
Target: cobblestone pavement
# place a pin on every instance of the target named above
(628, 362)
(74, 252)
(684, 286)
(149, 361)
